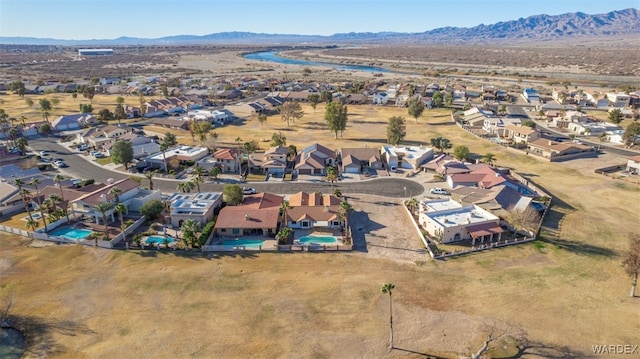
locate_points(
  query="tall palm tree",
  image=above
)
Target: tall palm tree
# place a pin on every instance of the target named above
(388, 288)
(196, 181)
(103, 208)
(345, 209)
(35, 182)
(54, 200)
(190, 229)
(122, 209)
(42, 209)
(58, 180)
(489, 159)
(116, 192)
(26, 198)
(332, 176)
(149, 176)
(163, 148)
(185, 187)
(284, 207)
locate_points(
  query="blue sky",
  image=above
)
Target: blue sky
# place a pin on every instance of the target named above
(106, 19)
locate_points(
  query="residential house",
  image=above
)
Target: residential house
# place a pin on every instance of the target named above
(556, 150)
(499, 200)
(409, 157)
(633, 165)
(258, 214)
(357, 99)
(592, 128)
(445, 164)
(360, 160)
(180, 153)
(597, 99)
(314, 159)
(132, 196)
(228, 159)
(496, 126)
(531, 95)
(272, 161)
(199, 207)
(232, 94)
(171, 122)
(521, 134)
(313, 210)
(142, 145)
(96, 136)
(73, 122)
(618, 100)
(454, 224)
(380, 98)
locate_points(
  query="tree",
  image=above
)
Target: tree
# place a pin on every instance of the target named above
(262, 118)
(24, 195)
(529, 123)
(185, 187)
(34, 183)
(631, 134)
(461, 152)
(448, 100)
(283, 235)
(18, 88)
(615, 116)
(412, 204)
(344, 210)
(149, 176)
(232, 194)
(416, 107)
(105, 115)
(89, 92)
(202, 129)
(215, 172)
(250, 147)
(489, 159)
(86, 108)
(116, 192)
(103, 208)
(152, 209)
(121, 208)
(284, 207)
(44, 129)
(441, 143)
(524, 220)
(396, 130)
(168, 141)
(388, 288)
(437, 99)
(190, 229)
(336, 116)
(45, 108)
(332, 176)
(196, 182)
(120, 100)
(631, 261)
(291, 111)
(122, 153)
(325, 96)
(314, 100)
(278, 139)
(32, 223)
(119, 113)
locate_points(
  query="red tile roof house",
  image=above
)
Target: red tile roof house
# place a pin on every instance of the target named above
(258, 214)
(227, 159)
(314, 159)
(480, 175)
(273, 161)
(313, 210)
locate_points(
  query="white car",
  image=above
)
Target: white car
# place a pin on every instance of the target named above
(248, 190)
(439, 191)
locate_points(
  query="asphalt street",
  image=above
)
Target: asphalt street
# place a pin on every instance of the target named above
(82, 168)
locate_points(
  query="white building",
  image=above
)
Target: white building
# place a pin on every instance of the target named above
(531, 95)
(199, 206)
(461, 223)
(618, 100)
(181, 153)
(410, 157)
(496, 125)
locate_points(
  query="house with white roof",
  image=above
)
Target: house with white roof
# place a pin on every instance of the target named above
(454, 224)
(73, 122)
(199, 207)
(618, 100)
(409, 157)
(380, 98)
(531, 95)
(181, 153)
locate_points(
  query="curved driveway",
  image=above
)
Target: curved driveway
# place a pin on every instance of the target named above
(81, 168)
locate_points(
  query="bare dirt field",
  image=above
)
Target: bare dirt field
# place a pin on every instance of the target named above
(563, 293)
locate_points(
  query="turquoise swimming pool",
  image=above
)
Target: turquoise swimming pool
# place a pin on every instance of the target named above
(152, 240)
(318, 240)
(254, 243)
(71, 233)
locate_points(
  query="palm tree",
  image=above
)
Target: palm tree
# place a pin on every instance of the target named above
(32, 223)
(149, 176)
(58, 180)
(284, 207)
(42, 209)
(103, 208)
(35, 182)
(185, 187)
(412, 204)
(215, 172)
(121, 208)
(196, 181)
(489, 159)
(332, 176)
(54, 200)
(388, 288)
(345, 209)
(164, 147)
(116, 192)
(190, 228)
(24, 194)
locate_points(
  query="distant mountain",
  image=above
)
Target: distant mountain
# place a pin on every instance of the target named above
(538, 27)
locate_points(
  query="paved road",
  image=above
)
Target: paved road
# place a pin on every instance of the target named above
(81, 168)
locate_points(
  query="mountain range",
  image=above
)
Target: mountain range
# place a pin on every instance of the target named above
(538, 27)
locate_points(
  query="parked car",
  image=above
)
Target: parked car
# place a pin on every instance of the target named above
(83, 147)
(439, 191)
(44, 153)
(99, 155)
(248, 190)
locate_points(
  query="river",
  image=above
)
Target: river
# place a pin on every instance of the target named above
(272, 56)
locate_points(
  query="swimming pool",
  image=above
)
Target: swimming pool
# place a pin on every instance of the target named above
(159, 240)
(254, 243)
(71, 233)
(318, 240)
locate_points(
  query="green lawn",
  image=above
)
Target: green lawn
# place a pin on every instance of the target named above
(104, 161)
